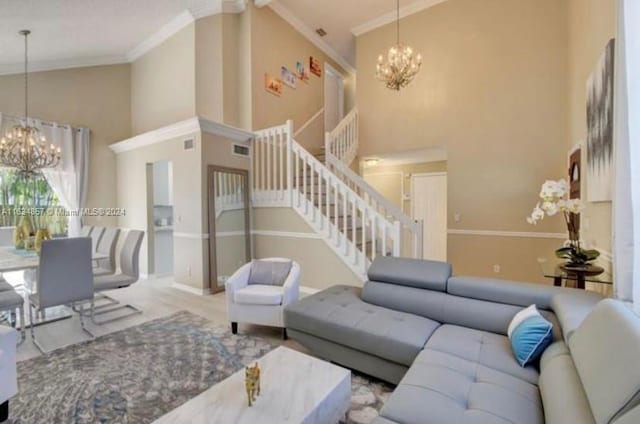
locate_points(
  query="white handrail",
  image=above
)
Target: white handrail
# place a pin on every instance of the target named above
(342, 142)
(309, 122)
(284, 174)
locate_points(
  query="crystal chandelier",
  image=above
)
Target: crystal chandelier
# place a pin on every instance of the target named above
(23, 147)
(401, 65)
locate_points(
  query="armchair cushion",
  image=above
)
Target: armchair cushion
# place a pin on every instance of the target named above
(269, 273)
(256, 294)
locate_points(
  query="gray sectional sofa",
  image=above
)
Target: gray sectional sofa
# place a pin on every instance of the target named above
(442, 340)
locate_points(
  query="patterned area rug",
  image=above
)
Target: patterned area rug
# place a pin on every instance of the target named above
(138, 374)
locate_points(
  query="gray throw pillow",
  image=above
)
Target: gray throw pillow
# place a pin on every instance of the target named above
(269, 273)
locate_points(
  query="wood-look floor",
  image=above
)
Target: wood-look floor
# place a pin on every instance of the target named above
(156, 298)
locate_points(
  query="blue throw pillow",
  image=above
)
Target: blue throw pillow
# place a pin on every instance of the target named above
(530, 338)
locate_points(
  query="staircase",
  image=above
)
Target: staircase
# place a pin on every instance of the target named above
(355, 221)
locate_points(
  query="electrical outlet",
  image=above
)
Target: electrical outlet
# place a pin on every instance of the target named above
(496, 269)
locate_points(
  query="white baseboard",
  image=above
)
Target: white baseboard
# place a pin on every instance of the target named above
(192, 290)
(308, 291)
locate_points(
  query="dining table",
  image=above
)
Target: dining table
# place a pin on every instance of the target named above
(13, 260)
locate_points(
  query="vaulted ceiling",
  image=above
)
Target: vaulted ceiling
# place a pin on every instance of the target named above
(70, 33)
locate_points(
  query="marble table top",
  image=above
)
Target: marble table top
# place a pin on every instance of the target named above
(296, 388)
(12, 259)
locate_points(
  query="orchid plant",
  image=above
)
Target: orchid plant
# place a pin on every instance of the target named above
(554, 200)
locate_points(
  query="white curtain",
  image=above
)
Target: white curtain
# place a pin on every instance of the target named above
(70, 180)
(626, 202)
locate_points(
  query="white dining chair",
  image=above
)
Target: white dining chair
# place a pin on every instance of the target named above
(86, 231)
(129, 274)
(96, 235)
(107, 246)
(65, 277)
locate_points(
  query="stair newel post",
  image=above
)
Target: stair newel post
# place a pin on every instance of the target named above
(397, 239)
(289, 163)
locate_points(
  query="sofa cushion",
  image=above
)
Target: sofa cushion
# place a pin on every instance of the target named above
(605, 349)
(572, 308)
(481, 347)
(561, 391)
(444, 307)
(269, 273)
(9, 299)
(443, 388)
(339, 315)
(423, 274)
(255, 294)
(4, 286)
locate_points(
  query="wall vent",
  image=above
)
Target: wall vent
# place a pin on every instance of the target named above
(240, 150)
(188, 144)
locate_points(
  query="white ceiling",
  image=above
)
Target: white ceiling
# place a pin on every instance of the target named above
(71, 33)
(344, 19)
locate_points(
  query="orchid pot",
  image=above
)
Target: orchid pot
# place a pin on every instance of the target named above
(555, 201)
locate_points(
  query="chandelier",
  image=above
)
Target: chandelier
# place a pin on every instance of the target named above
(401, 64)
(24, 147)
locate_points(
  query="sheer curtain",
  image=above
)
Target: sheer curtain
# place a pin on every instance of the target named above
(70, 180)
(626, 213)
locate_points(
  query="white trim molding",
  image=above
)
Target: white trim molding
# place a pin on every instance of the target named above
(53, 65)
(390, 17)
(171, 28)
(193, 290)
(309, 122)
(184, 128)
(311, 35)
(289, 234)
(516, 234)
(195, 236)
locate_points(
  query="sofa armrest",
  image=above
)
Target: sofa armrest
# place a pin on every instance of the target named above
(8, 373)
(291, 286)
(239, 280)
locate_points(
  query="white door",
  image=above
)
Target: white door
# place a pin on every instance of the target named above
(429, 204)
(333, 97)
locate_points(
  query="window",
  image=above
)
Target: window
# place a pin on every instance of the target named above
(32, 200)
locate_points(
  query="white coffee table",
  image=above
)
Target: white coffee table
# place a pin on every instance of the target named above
(296, 388)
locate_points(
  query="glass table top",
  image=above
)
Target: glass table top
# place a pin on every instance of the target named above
(551, 268)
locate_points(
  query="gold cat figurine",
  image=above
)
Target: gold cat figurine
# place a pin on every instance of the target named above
(252, 382)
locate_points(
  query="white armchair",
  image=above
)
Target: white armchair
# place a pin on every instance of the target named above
(8, 374)
(260, 304)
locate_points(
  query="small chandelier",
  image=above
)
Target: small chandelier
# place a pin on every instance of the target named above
(401, 65)
(23, 147)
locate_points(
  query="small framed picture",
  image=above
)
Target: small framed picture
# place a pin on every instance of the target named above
(575, 171)
(301, 72)
(272, 84)
(288, 77)
(315, 67)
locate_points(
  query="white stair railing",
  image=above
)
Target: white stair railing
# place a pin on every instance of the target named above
(342, 142)
(412, 229)
(284, 174)
(341, 148)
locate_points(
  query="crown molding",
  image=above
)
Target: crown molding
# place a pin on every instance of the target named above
(172, 27)
(184, 128)
(517, 234)
(387, 18)
(311, 35)
(262, 3)
(53, 65)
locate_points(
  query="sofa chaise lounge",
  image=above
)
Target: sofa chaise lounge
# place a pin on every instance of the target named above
(442, 340)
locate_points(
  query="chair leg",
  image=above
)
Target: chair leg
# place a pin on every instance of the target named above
(23, 323)
(32, 331)
(4, 411)
(234, 328)
(82, 324)
(284, 334)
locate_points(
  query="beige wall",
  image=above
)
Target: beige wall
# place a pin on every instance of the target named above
(591, 24)
(96, 98)
(189, 243)
(492, 91)
(208, 68)
(275, 43)
(321, 267)
(163, 83)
